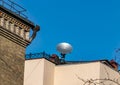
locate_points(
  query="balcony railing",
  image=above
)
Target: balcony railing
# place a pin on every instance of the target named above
(14, 7)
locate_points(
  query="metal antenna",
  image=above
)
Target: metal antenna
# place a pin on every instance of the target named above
(117, 56)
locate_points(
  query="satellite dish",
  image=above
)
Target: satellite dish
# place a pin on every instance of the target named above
(64, 48)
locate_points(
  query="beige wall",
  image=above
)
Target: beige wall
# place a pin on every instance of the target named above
(111, 76)
(38, 72)
(48, 73)
(43, 72)
(76, 74)
(34, 71)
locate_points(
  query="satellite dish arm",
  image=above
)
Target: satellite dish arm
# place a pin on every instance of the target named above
(35, 30)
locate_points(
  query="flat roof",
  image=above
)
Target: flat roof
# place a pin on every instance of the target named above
(104, 61)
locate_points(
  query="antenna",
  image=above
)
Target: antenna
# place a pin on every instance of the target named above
(64, 48)
(117, 55)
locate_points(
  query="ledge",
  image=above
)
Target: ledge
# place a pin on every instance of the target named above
(13, 37)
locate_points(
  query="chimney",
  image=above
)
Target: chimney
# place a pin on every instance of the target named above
(114, 64)
(55, 59)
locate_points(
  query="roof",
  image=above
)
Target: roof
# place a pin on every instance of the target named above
(80, 62)
(104, 61)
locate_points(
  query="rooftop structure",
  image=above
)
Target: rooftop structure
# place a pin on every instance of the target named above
(44, 72)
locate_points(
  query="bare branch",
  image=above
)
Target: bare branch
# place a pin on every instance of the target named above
(100, 81)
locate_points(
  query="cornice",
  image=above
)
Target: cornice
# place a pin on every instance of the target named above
(13, 37)
(14, 20)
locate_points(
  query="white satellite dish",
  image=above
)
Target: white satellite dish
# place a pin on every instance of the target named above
(64, 48)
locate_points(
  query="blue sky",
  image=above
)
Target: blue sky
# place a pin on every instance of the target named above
(92, 27)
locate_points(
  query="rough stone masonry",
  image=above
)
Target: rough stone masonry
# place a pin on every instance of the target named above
(11, 62)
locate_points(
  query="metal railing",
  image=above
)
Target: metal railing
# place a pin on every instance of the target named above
(14, 7)
(37, 55)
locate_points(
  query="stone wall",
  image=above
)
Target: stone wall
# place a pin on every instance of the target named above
(11, 62)
(14, 38)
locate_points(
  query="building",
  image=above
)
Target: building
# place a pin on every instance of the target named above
(14, 38)
(44, 72)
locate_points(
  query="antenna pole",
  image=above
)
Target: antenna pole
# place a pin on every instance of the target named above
(62, 61)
